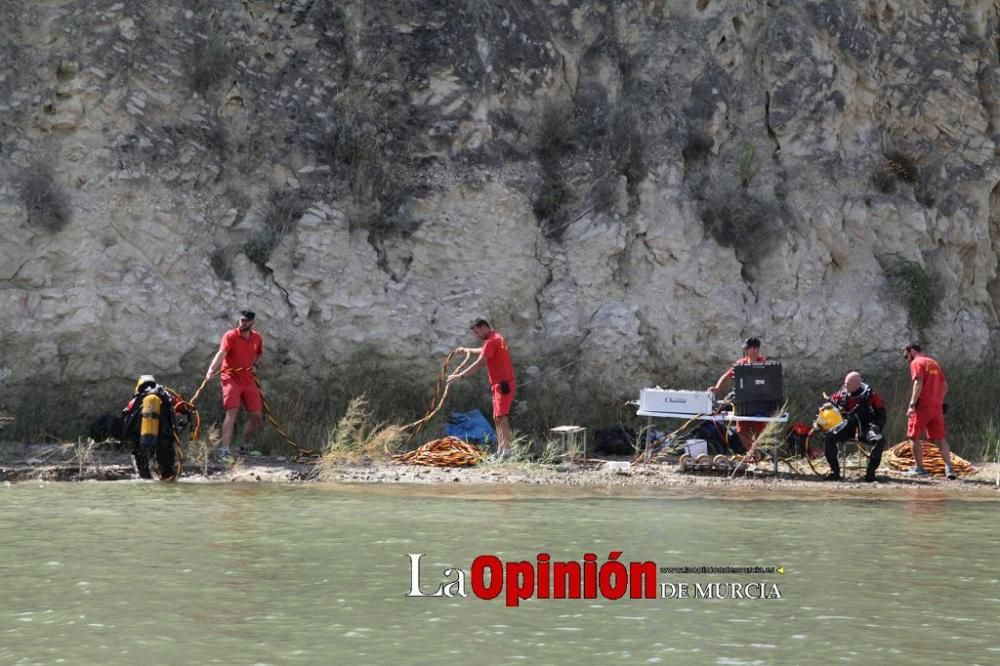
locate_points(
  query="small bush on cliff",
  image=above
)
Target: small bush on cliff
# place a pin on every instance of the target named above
(896, 166)
(285, 208)
(900, 166)
(903, 166)
(549, 204)
(555, 134)
(697, 146)
(738, 219)
(555, 141)
(221, 261)
(47, 203)
(914, 287)
(210, 59)
(748, 164)
(884, 178)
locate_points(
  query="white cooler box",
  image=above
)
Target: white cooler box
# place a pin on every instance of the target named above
(669, 401)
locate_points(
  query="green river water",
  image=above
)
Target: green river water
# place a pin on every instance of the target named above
(187, 573)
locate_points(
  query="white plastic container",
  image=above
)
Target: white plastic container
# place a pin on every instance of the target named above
(696, 447)
(669, 401)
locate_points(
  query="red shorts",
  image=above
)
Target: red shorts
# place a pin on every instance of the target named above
(234, 394)
(502, 403)
(931, 420)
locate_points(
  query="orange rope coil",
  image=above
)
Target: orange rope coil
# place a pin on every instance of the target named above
(444, 452)
(900, 457)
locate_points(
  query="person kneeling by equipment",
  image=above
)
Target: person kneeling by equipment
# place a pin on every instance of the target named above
(149, 424)
(856, 410)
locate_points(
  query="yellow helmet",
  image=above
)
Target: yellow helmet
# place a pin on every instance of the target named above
(829, 418)
(144, 380)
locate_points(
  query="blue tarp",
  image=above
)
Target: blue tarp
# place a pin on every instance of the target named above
(471, 427)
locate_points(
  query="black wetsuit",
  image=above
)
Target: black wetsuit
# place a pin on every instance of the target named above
(862, 410)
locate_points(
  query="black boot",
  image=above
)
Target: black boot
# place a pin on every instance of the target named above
(874, 460)
(830, 449)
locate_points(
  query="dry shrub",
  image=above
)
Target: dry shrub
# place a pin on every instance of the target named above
(357, 437)
(83, 453)
(200, 451)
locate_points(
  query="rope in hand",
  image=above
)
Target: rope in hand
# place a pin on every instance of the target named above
(300, 451)
(440, 393)
(447, 451)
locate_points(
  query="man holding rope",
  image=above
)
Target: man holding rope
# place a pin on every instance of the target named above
(239, 350)
(496, 356)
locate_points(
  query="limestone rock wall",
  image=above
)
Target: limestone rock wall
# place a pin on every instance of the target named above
(631, 185)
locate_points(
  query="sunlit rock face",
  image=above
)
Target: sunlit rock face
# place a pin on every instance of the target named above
(630, 187)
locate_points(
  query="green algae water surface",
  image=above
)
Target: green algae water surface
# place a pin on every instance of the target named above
(128, 573)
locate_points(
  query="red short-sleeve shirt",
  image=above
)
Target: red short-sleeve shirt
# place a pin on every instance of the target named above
(731, 374)
(498, 365)
(929, 372)
(240, 353)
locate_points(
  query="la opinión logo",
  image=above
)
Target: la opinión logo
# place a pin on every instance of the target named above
(490, 577)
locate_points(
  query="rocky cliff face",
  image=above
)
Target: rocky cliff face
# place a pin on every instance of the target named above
(628, 186)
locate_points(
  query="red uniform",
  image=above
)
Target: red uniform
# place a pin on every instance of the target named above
(750, 428)
(928, 414)
(500, 372)
(239, 386)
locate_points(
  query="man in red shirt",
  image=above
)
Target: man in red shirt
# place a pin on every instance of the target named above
(748, 430)
(925, 413)
(238, 352)
(495, 355)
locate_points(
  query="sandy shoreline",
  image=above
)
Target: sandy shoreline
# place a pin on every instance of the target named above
(59, 463)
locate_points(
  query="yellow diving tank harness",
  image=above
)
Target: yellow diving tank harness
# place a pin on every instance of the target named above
(829, 418)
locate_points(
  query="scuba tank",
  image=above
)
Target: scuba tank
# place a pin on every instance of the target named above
(150, 426)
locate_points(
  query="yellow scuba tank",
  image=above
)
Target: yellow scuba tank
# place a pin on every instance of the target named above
(829, 418)
(150, 424)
